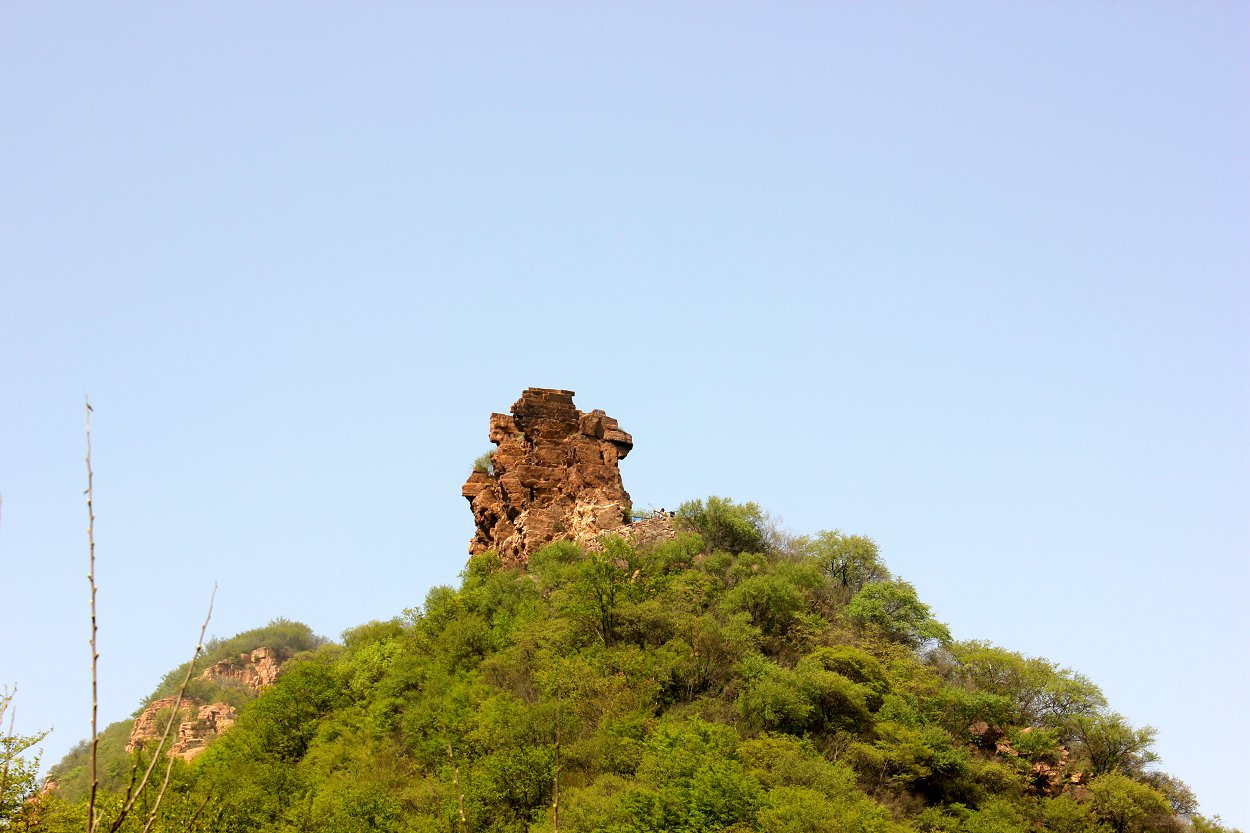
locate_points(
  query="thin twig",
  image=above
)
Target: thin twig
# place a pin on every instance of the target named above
(199, 812)
(169, 724)
(6, 700)
(92, 822)
(555, 801)
(199, 648)
(455, 774)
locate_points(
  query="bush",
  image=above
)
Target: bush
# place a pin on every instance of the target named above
(726, 525)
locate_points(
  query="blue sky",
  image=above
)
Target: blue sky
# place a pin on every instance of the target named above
(971, 279)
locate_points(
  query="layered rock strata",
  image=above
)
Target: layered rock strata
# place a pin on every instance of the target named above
(252, 671)
(554, 476)
(198, 723)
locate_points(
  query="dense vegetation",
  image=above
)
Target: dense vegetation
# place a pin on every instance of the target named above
(732, 679)
(73, 774)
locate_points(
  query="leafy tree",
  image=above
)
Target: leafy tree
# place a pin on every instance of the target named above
(774, 698)
(1044, 693)
(1128, 806)
(1112, 745)
(726, 525)
(18, 767)
(772, 602)
(850, 561)
(1177, 792)
(892, 608)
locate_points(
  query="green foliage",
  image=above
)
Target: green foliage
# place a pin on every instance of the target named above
(1128, 806)
(728, 680)
(19, 765)
(1043, 693)
(725, 525)
(1111, 745)
(485, 462)
(892, 609)
(850, 561)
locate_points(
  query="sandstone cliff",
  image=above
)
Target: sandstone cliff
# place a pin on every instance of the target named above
(554, 476)
(251, 671)
(198, 723)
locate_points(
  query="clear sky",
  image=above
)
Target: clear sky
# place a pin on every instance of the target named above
(970, 278)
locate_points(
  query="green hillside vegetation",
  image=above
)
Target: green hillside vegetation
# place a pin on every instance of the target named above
(733, 679)
(114, 765)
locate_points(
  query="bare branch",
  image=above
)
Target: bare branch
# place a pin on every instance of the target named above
(92, 821)
(199, 648)
(5, 699)
(129, 804)
(455, 774)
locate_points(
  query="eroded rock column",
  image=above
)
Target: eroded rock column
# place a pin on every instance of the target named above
(554, 476)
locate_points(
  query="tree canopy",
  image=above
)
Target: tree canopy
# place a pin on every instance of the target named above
(729, 679)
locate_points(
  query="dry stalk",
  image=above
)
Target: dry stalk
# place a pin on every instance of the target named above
(92, 822)
(133, 791)
(199, 648)
(132, 795)
(5, 702)
(455, 775)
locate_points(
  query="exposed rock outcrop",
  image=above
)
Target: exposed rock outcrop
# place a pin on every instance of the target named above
(197, 722)
(252, 671)
(554, 476)
(150, 724)
(194, 735)
(646, 532)
(197, 725)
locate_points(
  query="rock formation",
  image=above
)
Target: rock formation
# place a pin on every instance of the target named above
(252, 671)
(554, 476)
(199, 723)
(194, 735)
(150, 723)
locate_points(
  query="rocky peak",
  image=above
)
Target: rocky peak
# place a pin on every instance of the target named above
(554, 476)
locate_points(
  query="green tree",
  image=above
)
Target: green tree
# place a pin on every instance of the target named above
(850, 561)
(1044, 693)
(18, 766)
(893, 609)
(725, 525)
(1112, 745)
(1128, 806)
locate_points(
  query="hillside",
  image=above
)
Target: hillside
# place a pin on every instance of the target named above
(600, 669)
(729, 679)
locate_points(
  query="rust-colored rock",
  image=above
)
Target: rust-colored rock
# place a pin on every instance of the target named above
(553, 477)
(199, 723)
(150, 724)
(252, 671)
(194, 735)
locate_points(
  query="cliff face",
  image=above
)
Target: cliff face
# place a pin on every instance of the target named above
(554, 476)
(252, 671)
(199, 723)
